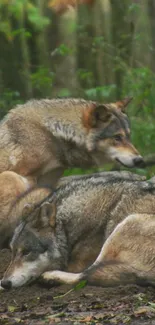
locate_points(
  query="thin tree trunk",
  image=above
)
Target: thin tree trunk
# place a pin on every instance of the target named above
(122, 35)
(151, 12)
(99, 55)
(66, 78)
(42, 48)
(85, 60)
(26, 56)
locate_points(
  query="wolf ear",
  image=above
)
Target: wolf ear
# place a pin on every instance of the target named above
(48, 214)
(93, 116)
(122, 104)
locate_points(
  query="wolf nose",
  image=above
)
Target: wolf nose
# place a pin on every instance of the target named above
(139, 162)
(6, 284)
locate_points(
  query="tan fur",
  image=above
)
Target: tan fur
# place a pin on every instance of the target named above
(12, 186)
(42, 138)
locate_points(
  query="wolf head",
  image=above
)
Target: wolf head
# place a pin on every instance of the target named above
(109, 132)
(33, 247)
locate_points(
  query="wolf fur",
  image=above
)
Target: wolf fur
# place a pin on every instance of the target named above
(42, 138)
(13, 197)
(66, 232)
(12, 186)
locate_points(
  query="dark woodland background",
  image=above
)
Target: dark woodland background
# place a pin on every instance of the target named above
(96, 49)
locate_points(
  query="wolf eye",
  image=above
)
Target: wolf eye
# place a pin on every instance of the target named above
(118, 137)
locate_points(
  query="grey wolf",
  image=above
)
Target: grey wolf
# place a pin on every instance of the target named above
(66, 232)
(108, 176)
(42, 138)
(127, 257)
(14, 195)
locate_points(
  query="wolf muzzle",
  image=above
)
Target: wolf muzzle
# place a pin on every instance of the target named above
(6, 284)
(139, 162)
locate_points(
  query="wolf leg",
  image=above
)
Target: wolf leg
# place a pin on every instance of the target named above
(62, 277)
(109, 274)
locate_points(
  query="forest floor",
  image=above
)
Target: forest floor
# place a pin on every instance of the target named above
(38, 305)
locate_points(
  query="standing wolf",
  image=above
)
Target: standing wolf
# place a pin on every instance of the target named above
(66, 232)
(44, 137)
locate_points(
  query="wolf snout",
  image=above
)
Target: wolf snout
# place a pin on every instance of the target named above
(139, 162)
(6, 284)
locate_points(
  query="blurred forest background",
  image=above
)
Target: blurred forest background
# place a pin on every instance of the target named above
(96, 49)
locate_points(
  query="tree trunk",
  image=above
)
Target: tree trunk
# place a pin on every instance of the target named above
(85, 60)
(26, 73)
(66, 80)
(41, 41)
(122, 35)
(151, 12)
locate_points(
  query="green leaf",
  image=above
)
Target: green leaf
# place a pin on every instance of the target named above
(80, 285)
(39, 22)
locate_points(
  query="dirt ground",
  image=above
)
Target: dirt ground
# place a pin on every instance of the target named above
(37, 305)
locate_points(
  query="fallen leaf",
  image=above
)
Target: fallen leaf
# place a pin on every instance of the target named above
(56, 315)
(80, 285)
(152, 304)
(12, 308)
(18, 320)
(86, 319)
(144, 310)
(4, 316)
(100, 316)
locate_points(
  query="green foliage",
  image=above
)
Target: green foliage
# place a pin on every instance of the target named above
(38, 21)
(143, 133)
(64, 92)
(19, 31)
(6, 29)
(8, 99)
(140, 83)
(104, 93)
(63, 50)
(19, 10)
(42, 81)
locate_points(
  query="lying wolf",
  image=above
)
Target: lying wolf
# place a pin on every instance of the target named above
(14, 186)
(42, 138)
(66, 231)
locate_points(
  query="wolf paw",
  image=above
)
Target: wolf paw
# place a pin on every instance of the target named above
(49, 278)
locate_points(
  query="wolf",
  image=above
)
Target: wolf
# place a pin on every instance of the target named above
(61, 236)
(15, 192)
(42, 138)
(127, 257)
